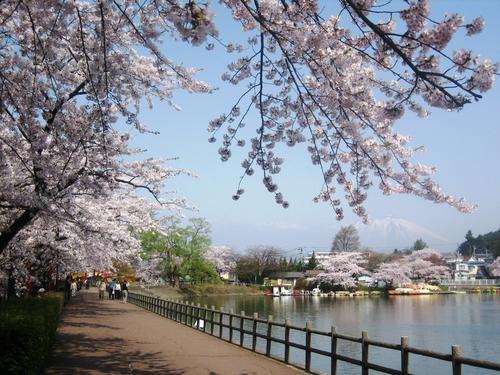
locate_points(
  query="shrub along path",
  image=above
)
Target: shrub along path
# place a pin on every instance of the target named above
(110, 337)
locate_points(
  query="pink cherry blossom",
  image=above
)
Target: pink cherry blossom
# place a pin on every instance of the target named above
(75, 75)
(342, 268)
(495, 267)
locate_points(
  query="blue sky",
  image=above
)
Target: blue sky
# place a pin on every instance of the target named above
(464, 146)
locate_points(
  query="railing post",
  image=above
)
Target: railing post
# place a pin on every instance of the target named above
(242, 321)
(405, 356)
(221, 320)
(212, 316)
(198, 318)
(364, 352)
(191, 314)
(268, 335)
(231, 312)
(333, 363)
(254, 331)
(456, 353)
(287, 341)
(308, 346)
(205, 313)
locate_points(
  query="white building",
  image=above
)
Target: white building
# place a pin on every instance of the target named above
(463, 269)
(320, 256)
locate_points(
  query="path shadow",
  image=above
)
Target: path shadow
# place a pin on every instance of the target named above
(81, 354)
(83, 348)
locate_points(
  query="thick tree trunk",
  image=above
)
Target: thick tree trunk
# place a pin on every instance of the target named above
(16, 227)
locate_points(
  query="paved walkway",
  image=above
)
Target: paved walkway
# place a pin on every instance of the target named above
(109, 337)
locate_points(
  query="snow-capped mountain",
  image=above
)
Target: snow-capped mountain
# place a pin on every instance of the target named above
(389, 233)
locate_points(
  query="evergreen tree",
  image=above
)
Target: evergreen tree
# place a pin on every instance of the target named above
(313, 262)
(419, 244)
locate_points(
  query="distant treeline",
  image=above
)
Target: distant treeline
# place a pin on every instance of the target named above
(482, 243)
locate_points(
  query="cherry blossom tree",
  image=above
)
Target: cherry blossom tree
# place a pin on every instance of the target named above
(394, 273)
(102, 234)
(222, 257)
(69, 72)
(338, 82)
(74, 75)
(342, 269)
(495, 267)
(428, 264)
(425, 264)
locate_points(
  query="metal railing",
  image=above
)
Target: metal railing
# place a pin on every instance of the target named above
(480, 282)
(224, 325)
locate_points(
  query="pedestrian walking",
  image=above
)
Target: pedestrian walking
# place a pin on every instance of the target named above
(102, 289)
(111, 290)
(73, 288)
(118, 290)
(125, 291)
(67, 287)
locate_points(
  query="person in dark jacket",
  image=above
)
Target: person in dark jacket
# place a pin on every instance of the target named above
(125, 291)
(111, 290)
(67, 287)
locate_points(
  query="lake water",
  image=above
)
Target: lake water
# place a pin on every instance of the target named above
(432, 322)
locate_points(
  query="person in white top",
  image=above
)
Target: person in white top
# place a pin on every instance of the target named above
(118, 290)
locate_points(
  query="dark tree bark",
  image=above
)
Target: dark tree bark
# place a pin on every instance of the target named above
(24, 219)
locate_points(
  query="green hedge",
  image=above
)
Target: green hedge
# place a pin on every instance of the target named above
(27, 332)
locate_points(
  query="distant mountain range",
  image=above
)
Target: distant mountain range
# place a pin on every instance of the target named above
(391, 233)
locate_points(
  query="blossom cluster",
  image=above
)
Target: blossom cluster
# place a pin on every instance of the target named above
(312, 80)
(73, 73)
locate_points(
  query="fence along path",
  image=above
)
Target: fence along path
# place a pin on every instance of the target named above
(224, 325)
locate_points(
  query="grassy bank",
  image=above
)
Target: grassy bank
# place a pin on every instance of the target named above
(216, 289)
(27, 332)
(198, 290)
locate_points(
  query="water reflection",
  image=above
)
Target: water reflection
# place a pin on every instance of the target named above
(431, 321)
